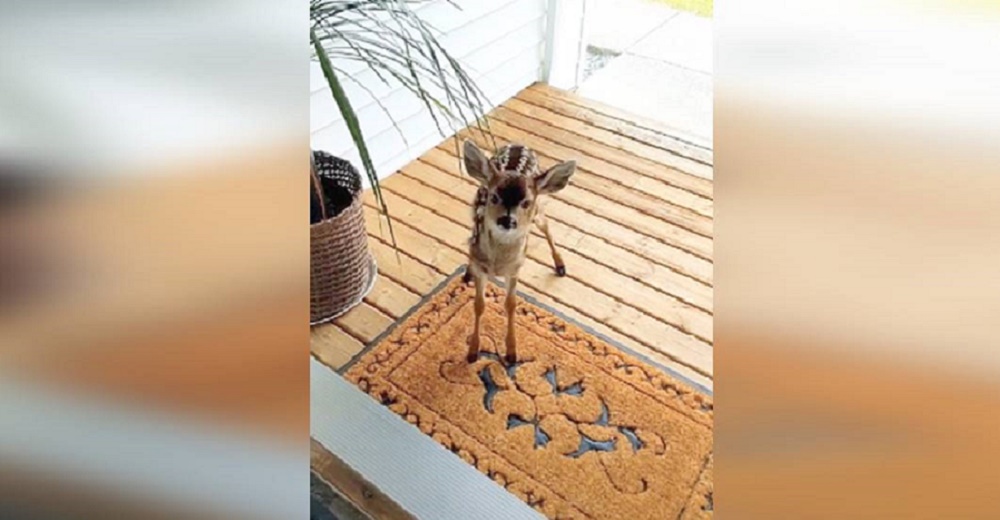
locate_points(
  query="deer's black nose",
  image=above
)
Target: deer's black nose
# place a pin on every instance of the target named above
(507, 222)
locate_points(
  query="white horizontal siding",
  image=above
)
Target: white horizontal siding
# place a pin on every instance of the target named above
(501, 46)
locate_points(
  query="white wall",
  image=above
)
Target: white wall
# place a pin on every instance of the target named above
(501, 44)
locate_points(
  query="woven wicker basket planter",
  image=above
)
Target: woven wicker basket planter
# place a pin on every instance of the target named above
(342, 270)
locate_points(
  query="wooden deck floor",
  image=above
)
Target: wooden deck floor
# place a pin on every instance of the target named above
(634, 227)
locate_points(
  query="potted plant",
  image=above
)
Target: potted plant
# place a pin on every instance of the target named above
(394, 42)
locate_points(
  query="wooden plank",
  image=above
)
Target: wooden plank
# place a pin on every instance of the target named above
(438, 235)
(664, 307)
(349, 483)
(364, 322)
(675, 258)
(571, 105)
(681, 138)
(397, 459)
(682, 348)
(698, 172)
(325, 503)
(545, 139)
(332, 346)
(620, 260)
(430, 173)
(392, 299)
(403, 269)
(649, 225)
(643, 350)
(680, 208)
(591, 166)
(686, 288)
(564, 208)
(685, 180)
(415, 237)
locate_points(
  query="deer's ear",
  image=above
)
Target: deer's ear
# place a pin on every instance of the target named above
(476, 164)
(555, 178)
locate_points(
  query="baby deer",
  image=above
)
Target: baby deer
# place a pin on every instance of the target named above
(507, 204)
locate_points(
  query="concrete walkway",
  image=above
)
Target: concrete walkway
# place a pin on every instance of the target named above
(664, 65)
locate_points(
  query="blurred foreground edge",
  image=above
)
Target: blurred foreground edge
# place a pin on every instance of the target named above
(857, 273)
(180, 294)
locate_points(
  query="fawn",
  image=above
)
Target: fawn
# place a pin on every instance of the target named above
(506, 205)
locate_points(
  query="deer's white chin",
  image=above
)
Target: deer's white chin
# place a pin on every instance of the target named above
(505, 236)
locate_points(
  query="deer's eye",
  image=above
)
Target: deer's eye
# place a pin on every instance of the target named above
(525, 203)
(495, 199)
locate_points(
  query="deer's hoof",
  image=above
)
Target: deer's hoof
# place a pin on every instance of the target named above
(560, 270)
(467, 277)
(510, 358)
(471, 357)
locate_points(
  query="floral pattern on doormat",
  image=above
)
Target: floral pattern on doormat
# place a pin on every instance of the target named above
(577, 428)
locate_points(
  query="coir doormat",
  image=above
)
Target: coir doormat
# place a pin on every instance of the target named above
(577, 428)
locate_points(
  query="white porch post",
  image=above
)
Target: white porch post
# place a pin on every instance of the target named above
(565, 41)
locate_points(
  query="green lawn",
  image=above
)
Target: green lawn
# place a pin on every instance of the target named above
(698, 7)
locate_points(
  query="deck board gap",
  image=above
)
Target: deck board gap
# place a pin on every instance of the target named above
(703, 340)
(703, 280)
(613, 250)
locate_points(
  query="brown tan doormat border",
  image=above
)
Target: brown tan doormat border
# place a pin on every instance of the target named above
(578, 427)
(530, 299)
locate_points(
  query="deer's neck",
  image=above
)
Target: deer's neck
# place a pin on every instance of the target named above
(500, 257)
(496, 256)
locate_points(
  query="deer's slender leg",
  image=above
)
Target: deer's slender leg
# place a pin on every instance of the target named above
(480, 306)
(543, 224)
(511, 306)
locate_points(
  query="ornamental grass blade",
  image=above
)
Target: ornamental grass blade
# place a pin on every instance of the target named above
(351, 120)
(394, 42)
